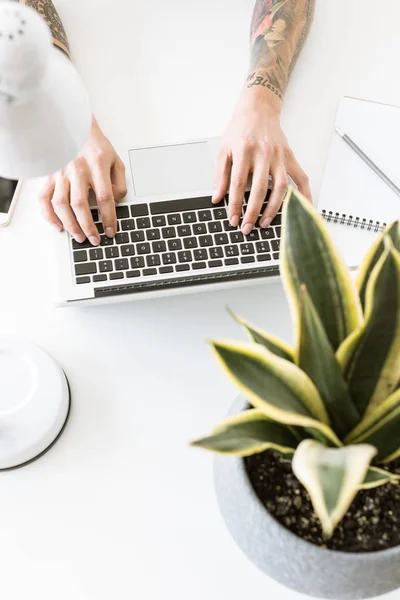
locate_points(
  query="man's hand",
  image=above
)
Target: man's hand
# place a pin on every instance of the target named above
(254, 143)
(65, 195)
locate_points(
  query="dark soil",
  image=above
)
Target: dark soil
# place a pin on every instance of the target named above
(372, 522)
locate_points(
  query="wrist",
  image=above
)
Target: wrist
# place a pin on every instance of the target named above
(260, 99)
(264, 91)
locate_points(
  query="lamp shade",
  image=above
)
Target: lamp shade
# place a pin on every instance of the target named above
(45, 114)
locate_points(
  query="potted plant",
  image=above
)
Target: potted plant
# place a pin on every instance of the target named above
(311, 493)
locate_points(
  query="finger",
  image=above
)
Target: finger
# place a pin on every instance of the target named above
(221, 176)
(299, 177)
(45, 198)
(259, 190)
(79, 194)
(118, 180)
(62, 208)
(279, 189)
(101, 183)
(239, 177)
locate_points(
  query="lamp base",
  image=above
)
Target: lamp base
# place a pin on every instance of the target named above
(35, 403)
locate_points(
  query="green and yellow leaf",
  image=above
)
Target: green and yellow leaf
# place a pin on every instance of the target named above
(381, 428)
(309, 257)
(373, 256)
(272, 343)
(376, 477)
(249, 433)
(277, 7)
(277, 387)
(370, 357)
(315, 356)
(332, 477)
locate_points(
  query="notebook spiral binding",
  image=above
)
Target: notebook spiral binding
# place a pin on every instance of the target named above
(350, 221)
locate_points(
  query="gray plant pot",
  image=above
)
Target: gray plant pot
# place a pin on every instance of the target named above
(287, 558)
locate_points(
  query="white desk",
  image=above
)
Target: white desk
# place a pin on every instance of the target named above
(121, 508)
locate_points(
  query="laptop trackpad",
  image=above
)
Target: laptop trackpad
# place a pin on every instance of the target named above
(175, 169)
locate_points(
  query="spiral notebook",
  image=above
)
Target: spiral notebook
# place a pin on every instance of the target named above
(354, 201)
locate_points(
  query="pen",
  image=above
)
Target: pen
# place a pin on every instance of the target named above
(368, 161)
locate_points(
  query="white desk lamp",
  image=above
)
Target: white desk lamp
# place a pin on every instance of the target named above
(45, 114)
(45, 119)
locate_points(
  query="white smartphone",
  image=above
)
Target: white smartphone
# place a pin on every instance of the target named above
(8, 197)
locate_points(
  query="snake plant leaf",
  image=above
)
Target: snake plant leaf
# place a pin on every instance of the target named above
(370, 357)
(277, 387)
(376, 477)
(381, 428)
(332, 477)
(270, 342)
(315, 356)
(249, 433)
(373, 256)
(309, 257)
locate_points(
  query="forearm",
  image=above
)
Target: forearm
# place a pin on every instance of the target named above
(278, 33)
(49, 13)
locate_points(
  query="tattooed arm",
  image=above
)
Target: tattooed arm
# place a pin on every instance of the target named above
(254, 141)
(65, 195)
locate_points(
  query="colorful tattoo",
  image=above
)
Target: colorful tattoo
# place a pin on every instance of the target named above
(278, 32)
(49, 13)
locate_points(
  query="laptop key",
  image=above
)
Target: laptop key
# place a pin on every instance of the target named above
(112, 252)
(221, 238)
(189, 217)
(169, 258)
(278, 231)
(137, 262)
(174, 219)
(153, 234)
(96, 254)
(262, 257)
(182, 268)
(206, 240)
(139, 210)
(275, 244)
(128, 250)
(262, 247)
(185, 256)
(205, 215)
(168, 232)
(215, 263)
(190, 242)
(216, 252)
(82, 280)
(158, 221)
(122, 238)
(122, 212)
(199, 228)
(116, 275)
(143, 248)
(133, 273)
(219, 213)
(137, 236)
(277, 220)
(84, 245)
(149, 271)
(143, 223)
(228, 226)
(253, 236)
(95, 214)
(100, 227)
(247, 259)
(275, 256)
(184, 230)
(85, 268)
(153, 260)
(174, 244)
(199, 265)
(127, 224)
(267, 234)
(200, 254)
(97, 278)
(80, 256)
(231, 251)
(159, 246)
(231, 261)
(105, 266)
(247, 249)
(214, 227)
(236, 236)
(174, 206)
(121, 264)
(163, 270)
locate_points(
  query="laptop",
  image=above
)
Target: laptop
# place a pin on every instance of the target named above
(171, 239)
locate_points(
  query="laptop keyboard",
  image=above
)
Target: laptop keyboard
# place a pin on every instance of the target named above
(173, 237)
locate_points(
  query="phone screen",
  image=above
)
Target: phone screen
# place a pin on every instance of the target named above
(7, 190)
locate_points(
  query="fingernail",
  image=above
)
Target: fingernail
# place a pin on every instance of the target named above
(109, 231)
(214, 196)
(80, 238)
(234, 220)
(266, 223)
(247, 228)
(94, 240)
(57, 227)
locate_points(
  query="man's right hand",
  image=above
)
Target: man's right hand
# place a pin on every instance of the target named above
(65, 195)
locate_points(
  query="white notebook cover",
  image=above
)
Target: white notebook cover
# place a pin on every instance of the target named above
(350, 187)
